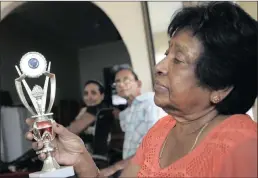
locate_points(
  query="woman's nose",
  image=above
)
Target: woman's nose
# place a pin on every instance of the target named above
(162, 67)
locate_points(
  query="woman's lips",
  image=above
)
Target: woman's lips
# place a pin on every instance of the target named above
(160, 88)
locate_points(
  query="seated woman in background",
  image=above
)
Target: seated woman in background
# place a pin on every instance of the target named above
(206, 83)
(93, 97)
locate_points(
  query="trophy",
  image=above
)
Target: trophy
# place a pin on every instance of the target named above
(34, 65)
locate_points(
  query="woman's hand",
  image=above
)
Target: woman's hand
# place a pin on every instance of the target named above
(70, 150)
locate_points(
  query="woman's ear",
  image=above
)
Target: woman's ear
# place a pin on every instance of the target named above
(102, 96)
(139, 83)
(218, 95)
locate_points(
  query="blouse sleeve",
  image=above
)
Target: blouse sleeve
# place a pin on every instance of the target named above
(242, 161)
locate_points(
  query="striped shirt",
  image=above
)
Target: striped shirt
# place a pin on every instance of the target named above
(136, 120)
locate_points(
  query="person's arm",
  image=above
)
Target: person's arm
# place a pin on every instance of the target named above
(91, 170)
(241, 161)
(131, 170)
(120, 165)
(130, 166)
(81, 124)
(82, 111)
(85, 167)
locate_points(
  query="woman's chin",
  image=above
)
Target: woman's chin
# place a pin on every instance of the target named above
(159, 100)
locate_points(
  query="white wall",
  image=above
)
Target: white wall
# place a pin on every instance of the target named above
(161, 14)
(160, 41)
(93, 59)
(128, 19)
(159, 24)
(251, 8)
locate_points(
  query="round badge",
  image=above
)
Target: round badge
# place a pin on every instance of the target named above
(33, 64)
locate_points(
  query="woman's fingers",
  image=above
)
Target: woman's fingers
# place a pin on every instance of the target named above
(37, 145)
(62, 131)
(29, 136)
(30, 121)
(42, 156)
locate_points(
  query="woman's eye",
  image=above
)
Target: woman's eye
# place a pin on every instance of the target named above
(176, 61)
(166, 53)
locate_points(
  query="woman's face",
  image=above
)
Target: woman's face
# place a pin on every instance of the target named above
(92, 95)
(176, 86)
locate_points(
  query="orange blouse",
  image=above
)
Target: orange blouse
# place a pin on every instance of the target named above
(229, 150)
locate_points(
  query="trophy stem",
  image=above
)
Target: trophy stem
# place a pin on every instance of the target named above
(50, 164)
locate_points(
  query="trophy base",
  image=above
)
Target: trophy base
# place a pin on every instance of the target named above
(62, 172)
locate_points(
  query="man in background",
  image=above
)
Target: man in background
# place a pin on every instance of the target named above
(135, 121)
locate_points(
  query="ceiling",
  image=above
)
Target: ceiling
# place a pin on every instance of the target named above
(75, 24)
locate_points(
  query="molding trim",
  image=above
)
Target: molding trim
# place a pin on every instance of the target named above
(149, 38)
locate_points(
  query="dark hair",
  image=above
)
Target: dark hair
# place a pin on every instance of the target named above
(124, 67)
(229, 37)
(99, 84)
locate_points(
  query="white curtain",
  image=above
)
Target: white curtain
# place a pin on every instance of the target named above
(13, 128)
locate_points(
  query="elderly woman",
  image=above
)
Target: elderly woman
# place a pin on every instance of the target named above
(206, 83)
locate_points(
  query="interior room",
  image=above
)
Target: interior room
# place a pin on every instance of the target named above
(84, 41)
(82, 44)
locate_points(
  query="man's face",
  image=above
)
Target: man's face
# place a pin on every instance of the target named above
(126, 85)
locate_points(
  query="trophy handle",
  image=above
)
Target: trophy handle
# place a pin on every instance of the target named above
(21, 94)
(44, 97)
(52, 89)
